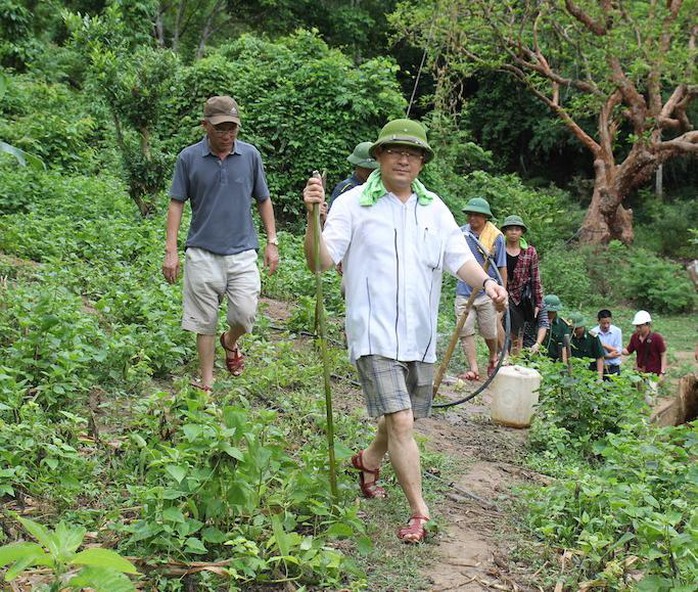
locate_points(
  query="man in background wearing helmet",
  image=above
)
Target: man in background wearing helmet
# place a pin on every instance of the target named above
(555, 342)
(480, 229)
(648, 345)
(395, 239)
(364, 165)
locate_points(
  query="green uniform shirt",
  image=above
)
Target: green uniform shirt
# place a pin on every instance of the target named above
(554, 339)
(587, 346)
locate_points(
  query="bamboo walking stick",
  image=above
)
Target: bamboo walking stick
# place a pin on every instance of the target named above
(456, 334)
(322, 335)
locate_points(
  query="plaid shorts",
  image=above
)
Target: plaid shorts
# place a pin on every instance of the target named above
(390, 386)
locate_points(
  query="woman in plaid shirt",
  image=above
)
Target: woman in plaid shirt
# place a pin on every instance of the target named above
(522, 270)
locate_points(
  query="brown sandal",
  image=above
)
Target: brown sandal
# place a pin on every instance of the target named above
(415, 531)
(370, 489)
(236, 363)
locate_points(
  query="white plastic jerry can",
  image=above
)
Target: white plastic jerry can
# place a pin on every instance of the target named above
(515, 392)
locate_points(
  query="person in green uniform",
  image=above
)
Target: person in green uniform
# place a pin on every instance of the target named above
(554, 340)
(585, 345)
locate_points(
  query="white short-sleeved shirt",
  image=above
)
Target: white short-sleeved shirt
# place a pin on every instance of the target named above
(612, 338)
(393, 257)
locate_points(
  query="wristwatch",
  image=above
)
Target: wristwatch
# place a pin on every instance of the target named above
(273, 241)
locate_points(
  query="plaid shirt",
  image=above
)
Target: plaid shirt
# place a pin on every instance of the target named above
(526, 270)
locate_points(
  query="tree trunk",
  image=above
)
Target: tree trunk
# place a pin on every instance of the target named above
(600, 227)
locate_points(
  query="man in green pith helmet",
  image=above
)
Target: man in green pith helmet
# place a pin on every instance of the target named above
(555, 339)
(364, 165)
(395, 239)
(480, 229)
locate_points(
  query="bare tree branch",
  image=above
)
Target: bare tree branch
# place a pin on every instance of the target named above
(585, 19)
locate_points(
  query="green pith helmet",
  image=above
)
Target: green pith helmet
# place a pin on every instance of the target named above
(478, 205)
(552, 303)
(514, 221)
(361, 157)
(404, 132)
(577, 320)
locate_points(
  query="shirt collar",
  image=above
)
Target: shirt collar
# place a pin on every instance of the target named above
(206, 148)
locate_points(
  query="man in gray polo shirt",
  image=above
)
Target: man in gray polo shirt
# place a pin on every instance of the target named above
(221, 176)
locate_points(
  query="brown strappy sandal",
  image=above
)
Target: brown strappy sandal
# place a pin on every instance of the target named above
(415, 531)
(236, 363)
(370, 489)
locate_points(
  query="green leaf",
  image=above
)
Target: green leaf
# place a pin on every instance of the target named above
(40, 558)
(233, 451)
(104, 558)
(173, 515)
(16, 551)
(101, 580)
(68, 538)
(364, 545)
(210, 534)
(194, 545)
(177, 472)
(339, 530)
(39, 532)
(192, 431)
(22, 157)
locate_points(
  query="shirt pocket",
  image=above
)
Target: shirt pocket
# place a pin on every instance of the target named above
(432, 250)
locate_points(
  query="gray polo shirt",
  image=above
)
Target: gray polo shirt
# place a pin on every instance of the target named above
(221, 194)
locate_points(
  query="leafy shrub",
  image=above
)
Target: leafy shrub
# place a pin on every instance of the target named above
(548, 213)
(52, 193)
(41, 455)
(592, 274)
(97, 569)
(51, 121)
(639, 503)
(665, 227)
(563, 272)
(575, 412)
(210, 477)
(657, 284)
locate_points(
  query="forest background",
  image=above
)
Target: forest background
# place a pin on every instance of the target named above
(594, 148)
(578, 118)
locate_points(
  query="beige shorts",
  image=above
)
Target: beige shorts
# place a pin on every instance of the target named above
(208, 278)
(483, 309)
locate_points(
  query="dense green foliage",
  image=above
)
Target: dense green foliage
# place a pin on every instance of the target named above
(623, 496)
(93, 321)
(596, 276)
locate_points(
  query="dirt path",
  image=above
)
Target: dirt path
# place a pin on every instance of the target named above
(474, 547)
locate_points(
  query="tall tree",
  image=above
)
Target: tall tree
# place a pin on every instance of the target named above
(630, 65)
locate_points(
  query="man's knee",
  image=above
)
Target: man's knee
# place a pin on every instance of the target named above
(399, 424)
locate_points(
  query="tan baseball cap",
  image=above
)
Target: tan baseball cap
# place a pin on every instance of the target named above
(220, 109)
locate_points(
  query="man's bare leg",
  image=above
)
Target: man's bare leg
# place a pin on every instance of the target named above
(206, 349)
